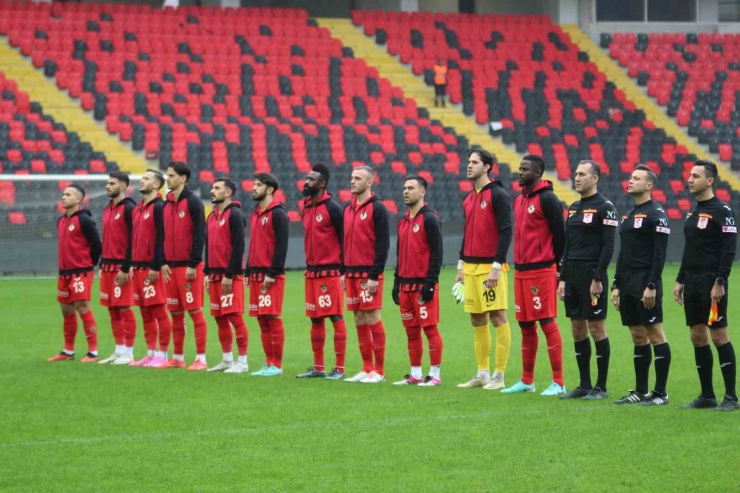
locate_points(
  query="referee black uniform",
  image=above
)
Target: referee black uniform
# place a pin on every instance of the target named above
(711, 236)
(590, 229)
(644, 235)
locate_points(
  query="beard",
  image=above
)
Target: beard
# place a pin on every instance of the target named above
(217, 201)
(258, 198)
(114, 194)
(308, 191)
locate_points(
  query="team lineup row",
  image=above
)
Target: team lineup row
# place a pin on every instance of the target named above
(161, 255)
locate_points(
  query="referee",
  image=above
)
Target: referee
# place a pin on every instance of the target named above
(590, 230)
(637, 292)
(701, 286)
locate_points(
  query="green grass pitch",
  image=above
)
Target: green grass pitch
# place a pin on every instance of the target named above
(75, 427)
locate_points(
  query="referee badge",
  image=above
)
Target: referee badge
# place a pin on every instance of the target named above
(638, 222)
(530, 209)
(483, 204)
(535, 290)
(588, 218)
(415, 228)
(702, 224)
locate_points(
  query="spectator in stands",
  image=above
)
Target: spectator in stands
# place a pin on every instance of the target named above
(440, 82)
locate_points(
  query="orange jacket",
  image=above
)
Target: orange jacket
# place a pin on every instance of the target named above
(440, 74)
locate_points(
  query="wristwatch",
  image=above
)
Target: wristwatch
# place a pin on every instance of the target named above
(720, 281)
(651, 286)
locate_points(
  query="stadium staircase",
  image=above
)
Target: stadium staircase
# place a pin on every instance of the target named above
(62, 108)
(399, 74)
(653, 112)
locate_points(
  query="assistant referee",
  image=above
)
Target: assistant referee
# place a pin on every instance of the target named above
(701, 286)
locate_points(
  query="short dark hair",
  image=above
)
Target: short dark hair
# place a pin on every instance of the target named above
(485, 157)
(181, 169)
(710, 169)
(158, 174)
(652, 177)
(535, 159)
(418, 179)
(268, 179)
(120, 176)
(595, 167)
(78, 188)
(228, 182)
(323, 170)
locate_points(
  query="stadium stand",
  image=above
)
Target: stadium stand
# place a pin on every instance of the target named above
(526, 73)
(239, 91)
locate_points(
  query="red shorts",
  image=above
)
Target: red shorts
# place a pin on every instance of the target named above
(182, 294)
(147, 293)
(536, 294)
(358, 299)
(323, 297)
(264, 301)
(76, 288)
(226, 304)
(416, 312)
(112, 295)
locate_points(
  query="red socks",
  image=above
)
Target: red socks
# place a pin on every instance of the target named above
(159, 312)
(318, 337)
(555, 350)
(530, 341)
(225, 335)
(435, 345)
(150, 328)
(178, 333)
(365, 339)
(91, 330)
(266, 335)
(129, 327)
(70, 331)
(416, 345)
(242, 336)
(340, 343)
(278, 340)
(201, 331)
(117, 327)
(378, 344)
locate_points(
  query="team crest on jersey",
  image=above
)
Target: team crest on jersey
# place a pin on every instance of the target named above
(702, 224)
(638, 222)
(182, 214)
(363, 285)
(187, 286)
(324, 288)
(222, 222)
(363, 216)
(421, 301)
(263, 289)
(415, 228)
(146, 281)
(319, 218)
(535, 290)
(117, 216)
(483, 204)
(588, 218)
(146, 215)
(530, 209)
(71, 227)
(264, 220)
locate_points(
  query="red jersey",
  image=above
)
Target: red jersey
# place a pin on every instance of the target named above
(225, 241)
(79, 244)
(488, 228)
(322, 239)
(539, 228)
(184, 229)
(366, 238)
(147, 240)
(268, 242)
(419, 250)
(117, 231)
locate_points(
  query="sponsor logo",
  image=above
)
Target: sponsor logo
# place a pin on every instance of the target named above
(181, 214)
(517, 309)
(353, 301)
(407, 316)
(187, 286)
(324, 288)
(415, 229)
(136, 296)
(311, 306)
(702, 224)
(71, 227)
(729, 229)
(588, 218)
(596, 312)
(214, 306)
(729, 221)
(638, 222)
(653, 319)
(611, 222)
(103, 296)
(661, 229)
(146, 215)
(319, 218)
(173, 301)
(483, 204)
(253, 307)
(535, 290)
(264, 220)
(117, 216)
(222, 222)
(530, 209)
(363, 216)
(63, 294)
(611, 214)
(663, 221)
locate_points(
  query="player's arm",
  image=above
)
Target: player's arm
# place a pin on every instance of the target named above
(128, 214)
(93, 238)
(158, 260)
(553, 211)
(336, 214)
(661, 233)
(729, 242)
(197, 215)
(396, 279)
(382, 240)
(504, 212)
(608, 235)
(280, 224)
(206, 268)
(564, 258)
(236, 226)
(433, 231)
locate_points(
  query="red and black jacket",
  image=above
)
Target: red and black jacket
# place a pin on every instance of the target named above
(225, 241)
(268, 242)
(147, 250)
(419, 250)
(184, 229)
(539, 228)
(488, 225)
(366, 238)
(323, 228)
(117, 232)
(79, 244)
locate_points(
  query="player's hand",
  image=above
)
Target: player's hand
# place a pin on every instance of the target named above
(226, 285)
(561, 290)
(153, 276)
(648, 298)
(341, 281)
(718, 292)
(372, 286)
(678, 293)
(246, 281)
(596, 289)
(427, 292)
(122, 278)
(190, 273)
(615, 298)
(166, 272)
(492, 280)
(206, 282)
(268, 282)
(459, 277)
